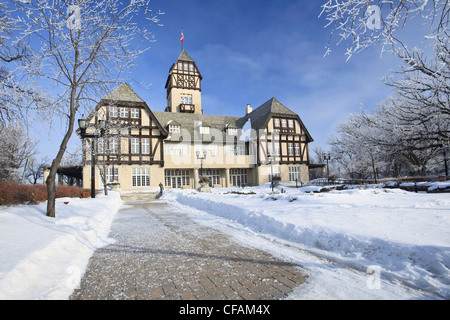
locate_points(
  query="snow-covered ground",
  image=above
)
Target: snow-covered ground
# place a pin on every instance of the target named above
(354, 244)
(44, 258)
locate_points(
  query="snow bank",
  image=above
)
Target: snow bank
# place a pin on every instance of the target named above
(406, 234)
(44, 258)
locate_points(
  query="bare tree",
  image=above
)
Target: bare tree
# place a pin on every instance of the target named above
(15, 148)
(364, 23)
(81, 47)
(35, 169)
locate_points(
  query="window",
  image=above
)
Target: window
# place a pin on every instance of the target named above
(232, 131)
(276, 122)
(213, 175)
(180, 65)
(134, 145)
(238, 177)
(297, 149)
(211, 150)
(135, 113)
(112, 175)
(186, 66)
(114, 145)
(124, 112)
(291, 124)
(100, 145)
(204, 130)
(283, 123)
(140, 177)
(290, 149)
(274, 149)
(235, 150)
(176, 149)
(113, 112)
(275, 171)
(174, 128)
(191, 67)
(176, 178)
(186, 99)
(145, 145)
(294, 173)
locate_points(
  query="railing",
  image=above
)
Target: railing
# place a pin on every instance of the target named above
(188, 108)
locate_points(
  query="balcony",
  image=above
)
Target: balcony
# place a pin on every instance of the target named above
(188, 108)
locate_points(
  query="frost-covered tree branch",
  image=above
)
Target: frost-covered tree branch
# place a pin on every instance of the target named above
(80, 48)
(360, 24)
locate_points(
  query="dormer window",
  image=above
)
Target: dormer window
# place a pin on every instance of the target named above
(174, 128)
(204, 130)
(232, 131)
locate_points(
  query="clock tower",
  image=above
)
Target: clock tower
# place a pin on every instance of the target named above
(183, 86)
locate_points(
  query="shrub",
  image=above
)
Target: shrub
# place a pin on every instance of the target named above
(12, 193)
(205, 180)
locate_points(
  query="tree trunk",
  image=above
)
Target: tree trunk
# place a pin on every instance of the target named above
(50, 182)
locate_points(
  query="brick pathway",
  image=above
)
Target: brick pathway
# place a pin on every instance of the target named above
(159, 253)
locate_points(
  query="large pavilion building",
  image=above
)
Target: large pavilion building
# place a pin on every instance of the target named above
(143, 148)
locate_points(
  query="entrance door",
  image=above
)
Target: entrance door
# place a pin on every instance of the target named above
(236, 180)
(176, 182)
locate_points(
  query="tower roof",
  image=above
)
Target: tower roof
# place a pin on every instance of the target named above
(184, 56)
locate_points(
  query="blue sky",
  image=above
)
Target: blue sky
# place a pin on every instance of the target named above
(250, 51)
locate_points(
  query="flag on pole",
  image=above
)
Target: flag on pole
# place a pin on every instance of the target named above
(182, 35)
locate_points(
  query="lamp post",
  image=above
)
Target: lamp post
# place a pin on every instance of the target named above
(444, 145)
(201, 157)
(327, 157)
(83, 124)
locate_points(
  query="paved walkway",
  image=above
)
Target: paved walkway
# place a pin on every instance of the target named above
(160, 253)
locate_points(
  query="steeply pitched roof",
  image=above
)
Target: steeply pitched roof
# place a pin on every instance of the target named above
(123, 93)
(184, 56)
(261, 115)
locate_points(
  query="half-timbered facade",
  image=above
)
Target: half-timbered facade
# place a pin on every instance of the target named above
(141, 148)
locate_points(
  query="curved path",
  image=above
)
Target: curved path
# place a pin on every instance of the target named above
(159, 253)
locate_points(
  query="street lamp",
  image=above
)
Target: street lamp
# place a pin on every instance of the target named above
(444, 145)
(327, 157)
(83, 124)
(201, 157)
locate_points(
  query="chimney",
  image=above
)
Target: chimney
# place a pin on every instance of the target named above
(248, 109)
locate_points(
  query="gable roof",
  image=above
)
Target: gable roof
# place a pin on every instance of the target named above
(272, 107)
(123, 93)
